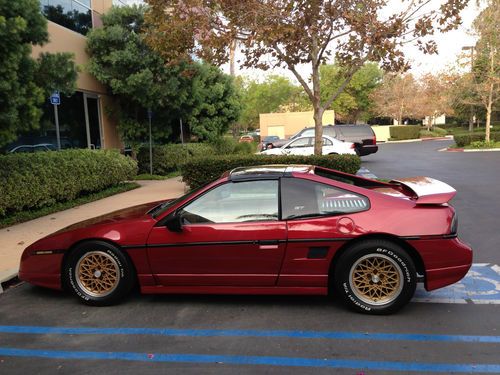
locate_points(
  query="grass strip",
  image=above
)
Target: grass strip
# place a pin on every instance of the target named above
(21, 217)
(147, 176)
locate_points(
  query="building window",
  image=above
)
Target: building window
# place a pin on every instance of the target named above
(73, 14)
(119, 3)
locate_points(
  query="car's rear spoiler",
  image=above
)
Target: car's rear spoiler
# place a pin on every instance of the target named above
(428, 190)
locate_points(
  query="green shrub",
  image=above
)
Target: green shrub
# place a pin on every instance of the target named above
(435, 132)
(199, 171)
(438, 130)
(168, 158)
(483, 144)
(465, 139)
(44, 178)
(400, 133)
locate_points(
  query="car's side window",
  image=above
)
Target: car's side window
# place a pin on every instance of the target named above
(327, 142)
(234, 202)
(305, 198)
(302, 142)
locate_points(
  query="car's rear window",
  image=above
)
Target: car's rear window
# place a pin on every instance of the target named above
(347, 179)
(356, 130)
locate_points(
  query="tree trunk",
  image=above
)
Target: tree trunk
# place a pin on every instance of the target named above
(232, 51)
(471, 119)
(400, 115)
(316, 102)
(318, 128)
(490, 98)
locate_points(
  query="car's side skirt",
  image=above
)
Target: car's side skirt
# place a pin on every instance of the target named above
(271, 290)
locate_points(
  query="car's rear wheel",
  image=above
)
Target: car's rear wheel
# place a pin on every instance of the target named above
(99, 273)
(375, 277)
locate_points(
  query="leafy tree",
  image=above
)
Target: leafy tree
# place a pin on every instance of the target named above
(275, 94)
(486, 74)
(290, 33)
(21, 88)
(141, 79)
(355, 101)
(433, 98)
(397, 97)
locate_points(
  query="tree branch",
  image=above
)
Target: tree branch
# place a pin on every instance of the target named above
(291, 67)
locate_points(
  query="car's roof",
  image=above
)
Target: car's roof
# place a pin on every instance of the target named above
(267, 171)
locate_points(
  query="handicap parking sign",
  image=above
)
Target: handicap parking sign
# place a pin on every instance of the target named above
(55, 98)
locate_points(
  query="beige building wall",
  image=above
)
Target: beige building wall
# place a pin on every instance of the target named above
(62, 39)
(287, 124)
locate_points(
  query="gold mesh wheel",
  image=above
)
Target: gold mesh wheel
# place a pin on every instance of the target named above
(97, 273)
(376, 279)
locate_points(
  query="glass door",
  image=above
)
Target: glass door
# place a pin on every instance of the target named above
(93, 121)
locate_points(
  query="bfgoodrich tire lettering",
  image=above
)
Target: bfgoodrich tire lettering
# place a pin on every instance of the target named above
(98, 273)
(375, 277)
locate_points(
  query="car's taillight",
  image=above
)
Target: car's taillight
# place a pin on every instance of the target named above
(353, 145)
(374, 139)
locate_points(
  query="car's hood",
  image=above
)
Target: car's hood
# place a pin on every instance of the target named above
(126, 214)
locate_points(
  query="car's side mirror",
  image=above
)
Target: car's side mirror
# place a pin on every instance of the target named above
(174, 223)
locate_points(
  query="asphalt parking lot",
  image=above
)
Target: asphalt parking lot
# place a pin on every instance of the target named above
(454, 331)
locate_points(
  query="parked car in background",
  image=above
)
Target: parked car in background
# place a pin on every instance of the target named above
(268, 142)
(33, 148)
(305, 146)
(246, 139)
(362, 136)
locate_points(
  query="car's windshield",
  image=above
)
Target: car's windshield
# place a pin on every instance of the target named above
(162, 207)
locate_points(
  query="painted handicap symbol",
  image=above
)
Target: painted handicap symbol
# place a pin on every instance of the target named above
(481, 286)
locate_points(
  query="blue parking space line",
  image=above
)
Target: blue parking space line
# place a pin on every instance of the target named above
(248, 333)
(256, 360)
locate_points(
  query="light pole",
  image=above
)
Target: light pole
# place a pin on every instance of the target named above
(472, 114)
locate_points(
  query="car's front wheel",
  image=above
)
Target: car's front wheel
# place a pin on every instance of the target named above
(375, 277)
(99, 273)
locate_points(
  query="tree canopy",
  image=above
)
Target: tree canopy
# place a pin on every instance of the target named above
(24, 81)
(201, 95)
(289, 34)
(275, 94)
(355, 102)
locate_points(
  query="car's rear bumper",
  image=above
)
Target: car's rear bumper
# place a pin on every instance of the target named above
(446, 260)
(367, 150)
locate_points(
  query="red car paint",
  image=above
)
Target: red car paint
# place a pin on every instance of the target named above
(271, 257)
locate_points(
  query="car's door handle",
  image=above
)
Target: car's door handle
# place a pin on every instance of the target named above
(268, 244)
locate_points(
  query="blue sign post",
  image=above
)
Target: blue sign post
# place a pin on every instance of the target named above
(55, 100)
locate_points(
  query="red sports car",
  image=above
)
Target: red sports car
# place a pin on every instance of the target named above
(266, 230)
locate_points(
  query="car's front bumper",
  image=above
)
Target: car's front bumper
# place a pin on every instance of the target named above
(446, 260)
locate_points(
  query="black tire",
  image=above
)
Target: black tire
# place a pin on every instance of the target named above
(375, 277)
(99, 273)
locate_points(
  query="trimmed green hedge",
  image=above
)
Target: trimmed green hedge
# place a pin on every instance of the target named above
(199, 171)
(168, 158)
(41, 179)
(399, 133)
(466, 139)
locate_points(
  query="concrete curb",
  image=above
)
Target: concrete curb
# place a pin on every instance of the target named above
(421, 139)
(469, 150)
(6, 276)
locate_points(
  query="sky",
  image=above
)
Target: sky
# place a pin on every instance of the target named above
(449, 47)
